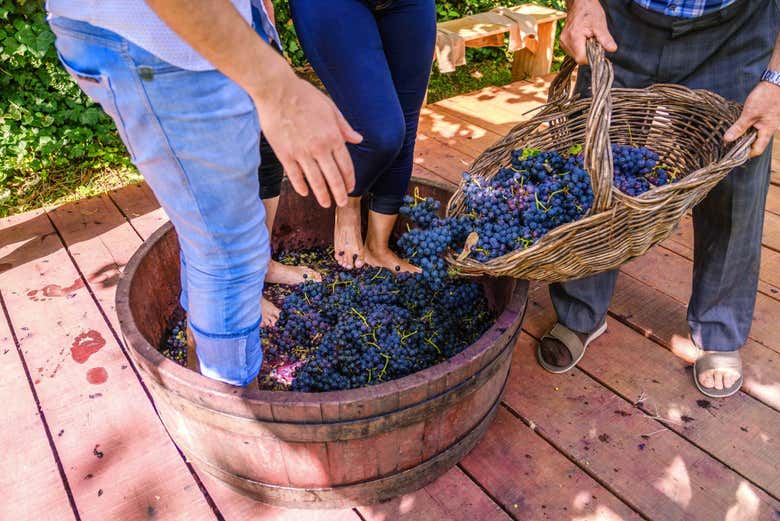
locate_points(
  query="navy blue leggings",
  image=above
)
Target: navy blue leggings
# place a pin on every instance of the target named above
(374, 57)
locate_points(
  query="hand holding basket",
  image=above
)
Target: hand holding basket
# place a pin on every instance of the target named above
(684, 126)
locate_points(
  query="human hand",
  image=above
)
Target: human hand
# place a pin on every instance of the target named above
(585, 19)
(308, 134)
(762, 112)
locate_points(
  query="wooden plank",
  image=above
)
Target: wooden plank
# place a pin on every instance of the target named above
(455, 132)
(773, 199)
(101, 242)
(494, 40)
(661, 475)
(776, 159)
(470, 29)
(484, 115)
(453, 497)
(145, 214)
(532, 89)
(541, 13)
(741, 432)
(423, 173)
(675, 281)
(28, 465)
(445, 162)
(529, 477)
(771, 234)
(118, 460)
(662, 318)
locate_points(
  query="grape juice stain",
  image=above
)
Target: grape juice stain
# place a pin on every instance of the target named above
(54, 290)
(85, 345)
(97, 375)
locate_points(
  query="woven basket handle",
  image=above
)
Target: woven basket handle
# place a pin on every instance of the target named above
(597, 150)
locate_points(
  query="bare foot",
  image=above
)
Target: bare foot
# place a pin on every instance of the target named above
(269, 312)
(347, 237)
(192, 358)
(718, 378)
(683, 347)
(386, 258)
(279, 273)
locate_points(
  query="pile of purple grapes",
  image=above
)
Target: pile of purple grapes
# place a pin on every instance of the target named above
(370, 325)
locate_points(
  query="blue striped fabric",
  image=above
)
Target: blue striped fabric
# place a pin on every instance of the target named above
(684, 8)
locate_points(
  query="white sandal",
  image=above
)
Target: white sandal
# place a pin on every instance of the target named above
(570, 341)
(718, 360)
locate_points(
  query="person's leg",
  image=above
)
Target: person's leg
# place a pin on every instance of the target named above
(581, 305)
(408, 32)
(194, 137)
(343, 44)
(727, 59)
(728, 226)
(270, 175)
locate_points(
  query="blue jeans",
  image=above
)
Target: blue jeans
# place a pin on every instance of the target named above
(195, 138)
(374, 57)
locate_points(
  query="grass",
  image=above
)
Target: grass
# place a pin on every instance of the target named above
(470, 77)
(65, 186)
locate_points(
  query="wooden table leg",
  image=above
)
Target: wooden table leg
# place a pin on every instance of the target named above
(527, 63)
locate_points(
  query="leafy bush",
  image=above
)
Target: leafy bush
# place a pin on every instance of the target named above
(48, 128)
(53, 140)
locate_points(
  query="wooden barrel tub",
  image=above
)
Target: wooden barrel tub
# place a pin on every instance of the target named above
(317, 450)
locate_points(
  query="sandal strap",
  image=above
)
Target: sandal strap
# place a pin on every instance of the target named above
(719, 360)
(567, 338)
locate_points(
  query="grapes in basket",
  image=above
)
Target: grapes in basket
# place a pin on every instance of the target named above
(541, 190)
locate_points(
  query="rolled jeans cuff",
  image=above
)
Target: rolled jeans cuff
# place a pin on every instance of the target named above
(234, 359)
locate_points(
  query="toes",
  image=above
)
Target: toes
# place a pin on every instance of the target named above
(718, 378)
(269, 313)
(729, 379)
(313, 275)
(706, 379)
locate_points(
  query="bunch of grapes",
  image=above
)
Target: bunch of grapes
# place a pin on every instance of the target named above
(541, 190)
(636, 170)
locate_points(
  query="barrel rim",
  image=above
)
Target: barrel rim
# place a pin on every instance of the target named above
(201, 386)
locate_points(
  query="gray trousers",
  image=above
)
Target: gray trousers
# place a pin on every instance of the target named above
(728, 58)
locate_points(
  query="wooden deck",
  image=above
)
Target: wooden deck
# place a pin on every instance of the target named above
(624, 436)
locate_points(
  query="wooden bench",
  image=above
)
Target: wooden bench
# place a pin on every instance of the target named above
(533, 60)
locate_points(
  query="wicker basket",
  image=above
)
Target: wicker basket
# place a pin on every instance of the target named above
(685, 127)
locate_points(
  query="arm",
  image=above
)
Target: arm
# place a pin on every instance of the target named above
(761, 110)
(269, 7)
(303, 126)
(585, 19)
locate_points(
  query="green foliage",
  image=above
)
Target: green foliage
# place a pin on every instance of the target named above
(47, 126)
(54, 140)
